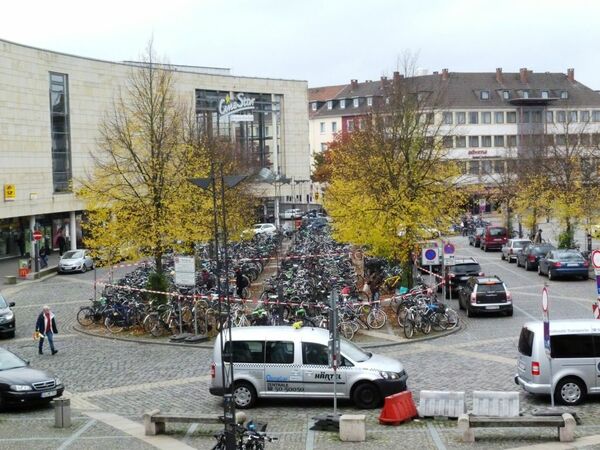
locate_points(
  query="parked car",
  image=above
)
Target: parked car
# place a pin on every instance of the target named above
(291, 214)
(574, 361)
(20, 383)
(493, 238)
(529, 256)
(75, 261)
(563, 263)
(7, 318)
(458, 274)
(485, 295)
(279, 361)
(475, 236)
(260, 228)
(512, 247)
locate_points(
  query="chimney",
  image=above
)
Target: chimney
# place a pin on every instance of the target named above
(354, 84)
(571, 75)
(523, 75)
(444, 74)
(499, 75)
(396, 77)
(435, 72)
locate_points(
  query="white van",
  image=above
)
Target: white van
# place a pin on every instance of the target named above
(287, 362)
(575, 347)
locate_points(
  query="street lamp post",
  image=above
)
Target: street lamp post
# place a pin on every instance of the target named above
(210, 184)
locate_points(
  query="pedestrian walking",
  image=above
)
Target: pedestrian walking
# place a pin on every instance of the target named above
(241, 282)
(538, 237)
(45, 327)
(43, 257)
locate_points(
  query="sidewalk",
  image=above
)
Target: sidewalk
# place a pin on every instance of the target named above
(10, 266)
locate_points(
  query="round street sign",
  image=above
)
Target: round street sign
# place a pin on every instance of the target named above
(596, 259)
(449, 248)
(37, 235)
(545, 300)
(430, 254)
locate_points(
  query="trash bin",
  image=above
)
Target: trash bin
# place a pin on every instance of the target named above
(24, 267)
(62, 412)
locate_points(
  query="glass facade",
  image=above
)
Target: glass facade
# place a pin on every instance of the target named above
(251, 121)
(60, 133)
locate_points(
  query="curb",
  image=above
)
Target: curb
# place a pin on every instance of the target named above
(210, 347)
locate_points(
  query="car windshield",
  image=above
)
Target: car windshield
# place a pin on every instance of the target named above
(490, 288)
(73, 254)
(520, 244)
(542, 250)
(9, 360)
(569, 256)
(2, 302)
(353, 351)
(466, 268)
(497, 231)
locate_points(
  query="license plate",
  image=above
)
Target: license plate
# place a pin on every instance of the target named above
(573, 265)
(49, 394)
(492, 307)
(497, 240)
(521, 366)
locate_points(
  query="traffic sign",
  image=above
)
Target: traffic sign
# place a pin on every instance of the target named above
(449, 248)
(430, 256)
(596, 259)
(37, 235)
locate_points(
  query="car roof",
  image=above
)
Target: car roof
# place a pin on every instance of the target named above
(278, 333)
(488, 280)
(566, 326)
(465, 260)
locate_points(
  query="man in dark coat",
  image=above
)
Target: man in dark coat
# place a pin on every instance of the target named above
(46, 327)
(241, 281)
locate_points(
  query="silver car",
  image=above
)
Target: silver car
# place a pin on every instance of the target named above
(75, 261)
(287, 362)
(512, 247)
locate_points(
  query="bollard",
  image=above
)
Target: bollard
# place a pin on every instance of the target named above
(62, 412)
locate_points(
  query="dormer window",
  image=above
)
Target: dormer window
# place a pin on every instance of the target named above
(484, 95)
(330, 104)
(314, 106)
(355, 102)
(342, 103)
(505, 95)
(369, 101)
(544, 94)
(564, 94)
(525, 94)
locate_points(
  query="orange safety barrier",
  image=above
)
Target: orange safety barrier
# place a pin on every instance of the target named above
(398, 408)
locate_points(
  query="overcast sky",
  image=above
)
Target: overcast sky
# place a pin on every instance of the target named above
(323, 42)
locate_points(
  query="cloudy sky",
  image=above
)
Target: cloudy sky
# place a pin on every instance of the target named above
(323, 42)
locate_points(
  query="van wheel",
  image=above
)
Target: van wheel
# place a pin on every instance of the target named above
(366, 396)
(244, 395)
(570, 391)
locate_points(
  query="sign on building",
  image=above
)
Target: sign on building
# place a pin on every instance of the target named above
(10, 192)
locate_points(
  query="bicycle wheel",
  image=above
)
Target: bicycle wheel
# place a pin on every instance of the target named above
(376, 318)
(346, 330)
(452, 318)
(112, 323)
(153, 325)
(439, 321)
(425, 325)
(401, 314)
(409, 324)
(85, 316)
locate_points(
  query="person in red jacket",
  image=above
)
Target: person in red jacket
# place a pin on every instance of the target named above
(46, 327)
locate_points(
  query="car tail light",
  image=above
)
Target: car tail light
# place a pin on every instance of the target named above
(510, 250)
(508, 297)
(473, 298)
(481, 274)
(556, 264)
(213, 370)
(451, 275)
(531, 258)
(535, 368)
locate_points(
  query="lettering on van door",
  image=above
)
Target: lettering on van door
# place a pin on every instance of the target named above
(277, 383)
(326, 376)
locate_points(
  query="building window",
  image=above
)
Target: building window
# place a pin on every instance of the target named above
(585, 139)
(498, 141)
(564, 94)
(525, 94)
(484, 95)
(461, 118)
(343, 103)
(60, 132)
(499, 166)
(486, 141)
(525, 116)
(505, 95)
(561, 116)
(461, 141)
(355, 102)
(572, 116)
(549, 117)
(350, 125)
(473, 141)
(429, 118)
(486, 117)
(584, 116)
(560, 139)
(596, 116)
(362, 123)
(511, 117)
(447, 118)
(536, 116)
(549, 140)
(329, 104)
(334, 127)
(473, 117)
(369, 101)
(314, 106)
(447, 141)
(322, 127)
(474, 167)
(544, 94)
(323, 147)
(499, 116)
(511, 141)
(387, 100)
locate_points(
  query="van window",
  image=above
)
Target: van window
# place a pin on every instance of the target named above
(526, 342)
(314, 354)
(497, 232)
(247, 351)
(279, 352)
(572, 346)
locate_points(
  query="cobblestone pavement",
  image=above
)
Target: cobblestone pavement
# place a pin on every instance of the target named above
(126, 378)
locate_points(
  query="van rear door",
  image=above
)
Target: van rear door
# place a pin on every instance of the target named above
(524, 364)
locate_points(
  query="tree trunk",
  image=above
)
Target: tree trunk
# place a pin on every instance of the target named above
(158, 262)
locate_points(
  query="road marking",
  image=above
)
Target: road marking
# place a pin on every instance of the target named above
(190, 430)
(386, 336)
(74, 436)
(80, 403)
(436, 437)
(141, 387)
(137, 431)
(522, 311)
(310, 436)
